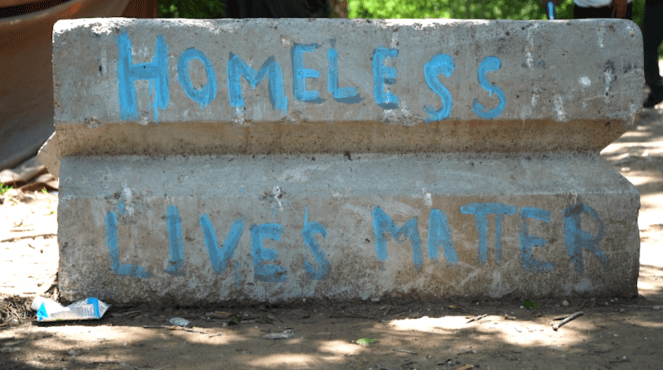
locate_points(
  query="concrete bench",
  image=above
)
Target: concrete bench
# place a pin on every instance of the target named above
(269, 160)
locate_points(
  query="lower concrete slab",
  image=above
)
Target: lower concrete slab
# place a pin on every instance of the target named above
(275, 228)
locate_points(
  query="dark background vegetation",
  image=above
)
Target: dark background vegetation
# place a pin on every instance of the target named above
(382, 9)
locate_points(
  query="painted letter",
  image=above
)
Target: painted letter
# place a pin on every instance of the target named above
(270, 69)
(111, 243)
(300, 74)
(489, 64)
(220, 258)
(527, 242)
(262, 272)
(382, 223)
(480, 211)
(441, 63)
(208, 92)
(308, 232)
(346, 95)
(175, 242)
(578, 239)
(440, 235)
(156, 72)
(384, 75)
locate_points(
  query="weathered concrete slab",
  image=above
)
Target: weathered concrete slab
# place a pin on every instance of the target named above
(277, 228)
(270, 160)
(330, 86)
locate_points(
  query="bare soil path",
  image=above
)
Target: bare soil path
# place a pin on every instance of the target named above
(613, 333)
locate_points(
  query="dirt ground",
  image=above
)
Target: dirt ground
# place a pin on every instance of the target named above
(613, 333)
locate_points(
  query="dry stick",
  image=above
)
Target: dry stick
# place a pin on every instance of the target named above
(404, 351)
(353, 317)
(19, 237)
(382, 367)
(637, 306)
(174, 328)
(572, 317)
(477, 318)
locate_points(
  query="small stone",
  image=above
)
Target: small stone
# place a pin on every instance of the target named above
(656, 308)
(178, 321)
(565, 303)
(622, 310)
(375, 300)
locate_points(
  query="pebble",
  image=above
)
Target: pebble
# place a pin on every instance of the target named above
(656, 308)
(178, 321)
(565, 303)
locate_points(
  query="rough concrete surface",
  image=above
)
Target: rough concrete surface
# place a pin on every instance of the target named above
(328, 226)
(343, 85)
(263, 160)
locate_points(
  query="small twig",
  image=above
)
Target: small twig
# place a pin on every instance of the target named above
(476, 318)
(193, 330)
(582, 305)
(353, 317)
(19, 237)
(638, 306)
(572, 317)
(509, 317)
(386, 311)
(466, 352)
(404, 351)
(125, 313)
(382, 367)
(174, 328)
(158, 327)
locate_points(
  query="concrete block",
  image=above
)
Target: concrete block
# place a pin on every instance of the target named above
(269, 160)
(163, 87)
(275, 228)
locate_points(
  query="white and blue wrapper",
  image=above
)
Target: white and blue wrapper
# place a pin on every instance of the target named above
(87, 309)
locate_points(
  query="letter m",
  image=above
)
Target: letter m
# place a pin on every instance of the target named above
(382, 224)
(270, 69)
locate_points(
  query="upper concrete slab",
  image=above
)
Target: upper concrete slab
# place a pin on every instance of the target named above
(343, 85)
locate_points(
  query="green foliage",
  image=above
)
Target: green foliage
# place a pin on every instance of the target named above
(468, 9)
(366, 341)
(4, 188)
(205, 9)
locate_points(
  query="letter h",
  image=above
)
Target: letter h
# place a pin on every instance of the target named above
(156, 72)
